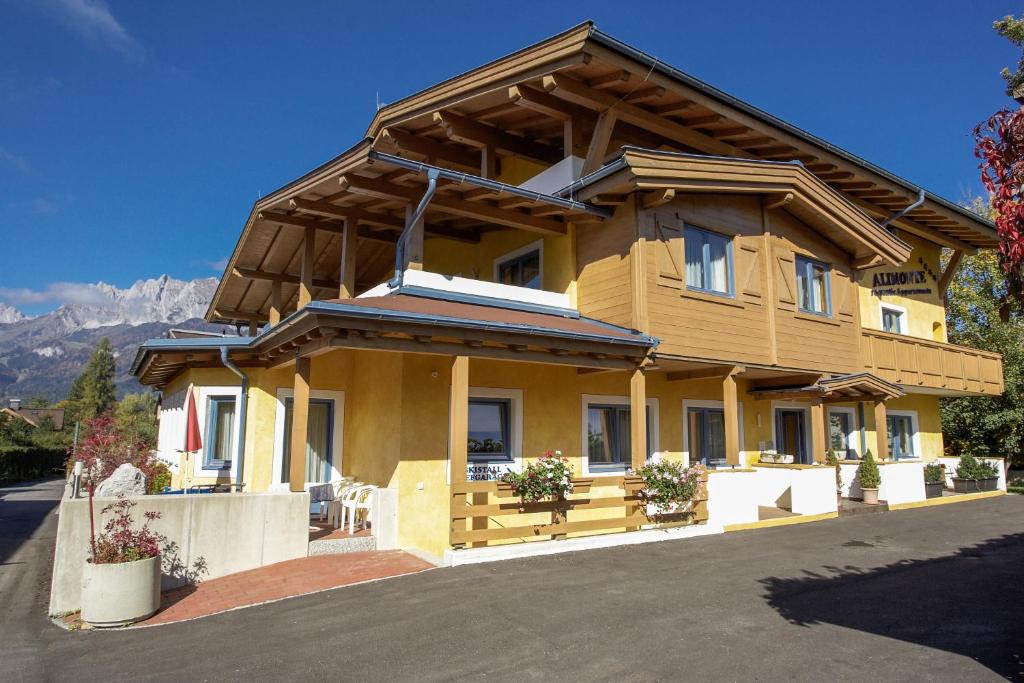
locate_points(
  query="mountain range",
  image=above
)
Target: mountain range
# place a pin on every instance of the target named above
(42, 355)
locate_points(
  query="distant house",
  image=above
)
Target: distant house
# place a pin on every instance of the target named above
(34, 416)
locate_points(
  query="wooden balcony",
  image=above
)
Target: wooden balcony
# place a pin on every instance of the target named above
(914, 362)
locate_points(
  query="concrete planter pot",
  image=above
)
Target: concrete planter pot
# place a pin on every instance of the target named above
(933, 489)
(870, 496)
(120, 594)
(966, 485)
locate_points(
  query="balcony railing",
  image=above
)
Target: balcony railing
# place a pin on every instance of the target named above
(929, 364)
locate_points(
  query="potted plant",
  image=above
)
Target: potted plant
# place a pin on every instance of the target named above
(550, 477)
(973, 475)
(934, 480)
(869, 478)
(121, 580)
(670, 488)
(832, 460)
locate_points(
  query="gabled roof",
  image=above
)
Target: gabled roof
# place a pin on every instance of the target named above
(862, 386)
(788, 183)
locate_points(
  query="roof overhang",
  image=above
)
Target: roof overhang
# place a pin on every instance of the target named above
(846, 388)
(787, 185)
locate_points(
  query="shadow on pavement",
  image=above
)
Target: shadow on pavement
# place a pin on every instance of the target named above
(968, 603)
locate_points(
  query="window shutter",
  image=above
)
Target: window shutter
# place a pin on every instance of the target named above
(670, 251)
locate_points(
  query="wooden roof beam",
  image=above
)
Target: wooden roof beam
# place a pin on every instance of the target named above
(255, 274)
(399, 140)
(579, 93)
(324, 208)
(609, 80)
(645, 94)
(459, 207)
(545, 103)
(469, 132)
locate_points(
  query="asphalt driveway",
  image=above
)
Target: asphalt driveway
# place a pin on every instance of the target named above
(934, 593)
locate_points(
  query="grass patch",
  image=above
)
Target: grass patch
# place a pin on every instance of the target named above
(1015, 489)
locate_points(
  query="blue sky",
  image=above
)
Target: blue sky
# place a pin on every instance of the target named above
(135, 136)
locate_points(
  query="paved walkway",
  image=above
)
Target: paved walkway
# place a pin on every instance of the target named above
(911, 595)
(282, 580)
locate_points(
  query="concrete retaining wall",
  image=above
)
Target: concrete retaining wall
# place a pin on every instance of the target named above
(804, 491)
(902, 482)
(227, 533)
(732, 498)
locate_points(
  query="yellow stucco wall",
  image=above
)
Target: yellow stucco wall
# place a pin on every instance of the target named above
(926, 313)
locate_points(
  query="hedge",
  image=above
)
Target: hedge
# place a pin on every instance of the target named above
(22, 463)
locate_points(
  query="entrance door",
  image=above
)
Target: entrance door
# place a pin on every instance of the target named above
(840, 430)
(790, 434)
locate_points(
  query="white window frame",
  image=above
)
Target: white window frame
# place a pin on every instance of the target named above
(853, 436)
(914, 425)
(337, 442)
(537, 246)
(203, 395)
(882, 305)
(693, 403)
(652, 427)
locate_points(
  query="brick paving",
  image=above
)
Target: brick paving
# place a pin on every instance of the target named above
(282, 580)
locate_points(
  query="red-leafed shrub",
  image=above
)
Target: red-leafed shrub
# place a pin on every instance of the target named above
(120, 541)
(106, 447)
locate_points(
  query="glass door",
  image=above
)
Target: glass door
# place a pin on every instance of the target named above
(840, 429)
(790, 434)
(319, 439)
(706, 436)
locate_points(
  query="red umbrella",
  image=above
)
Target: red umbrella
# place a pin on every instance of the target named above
(192, 440)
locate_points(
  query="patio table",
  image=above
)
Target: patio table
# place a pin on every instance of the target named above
(321, 493)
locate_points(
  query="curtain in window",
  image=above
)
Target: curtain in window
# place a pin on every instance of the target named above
(600, 431)
(694, 259)
(716, 437)
(901, 436)
(224, 430)
(719, 265)
(817, 288)
(317, 448)
(696, 435)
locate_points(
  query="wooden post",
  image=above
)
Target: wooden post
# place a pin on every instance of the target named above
(414, 245)
(458, 436)
(599, 141)
(730, 404)
(488, 162)
(275, 303)
(308, 256)
(881, 432)
(254, 327)
(638, 418)
(347, 274)
(817, 430)
(300, 426)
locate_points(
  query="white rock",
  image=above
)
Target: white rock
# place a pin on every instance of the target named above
(127, 480)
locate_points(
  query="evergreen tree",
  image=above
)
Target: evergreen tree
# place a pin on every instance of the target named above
(135, 416)
(93, 392)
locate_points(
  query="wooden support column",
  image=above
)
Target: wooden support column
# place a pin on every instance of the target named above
(638, 418)
(599, 141)
(306, 278)
(254, 327)
(572, 136)
(347, 272)
(275, 303)
(488, 162)
(300, 426)
(458, 436)
(730, 404)
(817, 430)
(414, 245)
(881, 432)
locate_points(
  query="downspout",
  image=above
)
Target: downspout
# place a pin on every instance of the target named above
(904, 212)
(396, 281)
(242, 405)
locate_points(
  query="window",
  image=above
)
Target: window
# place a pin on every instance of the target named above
(708, 261)
(901, 436)
(522, 270)
(319, 440)
(813, 289)
(706, 435)
(894, 319)
(840, 433)
(608, 436)
(220, 432)
(489, 429)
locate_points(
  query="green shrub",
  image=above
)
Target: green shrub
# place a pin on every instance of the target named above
(970, 467)
(934, 474)
(867, 472)
(833, 460)
(22, 463)
(159, 478)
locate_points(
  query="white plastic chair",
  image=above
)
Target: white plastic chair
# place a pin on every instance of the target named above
(356, 499)
(335, 513)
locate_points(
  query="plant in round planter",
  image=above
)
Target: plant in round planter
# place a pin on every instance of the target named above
(934, 480)
(550, 477)
(670, 488)
(121, 580)
(974, 475)
(869, 478)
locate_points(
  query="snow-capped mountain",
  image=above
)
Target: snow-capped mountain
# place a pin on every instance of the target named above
(45, 353)
(10, 314)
